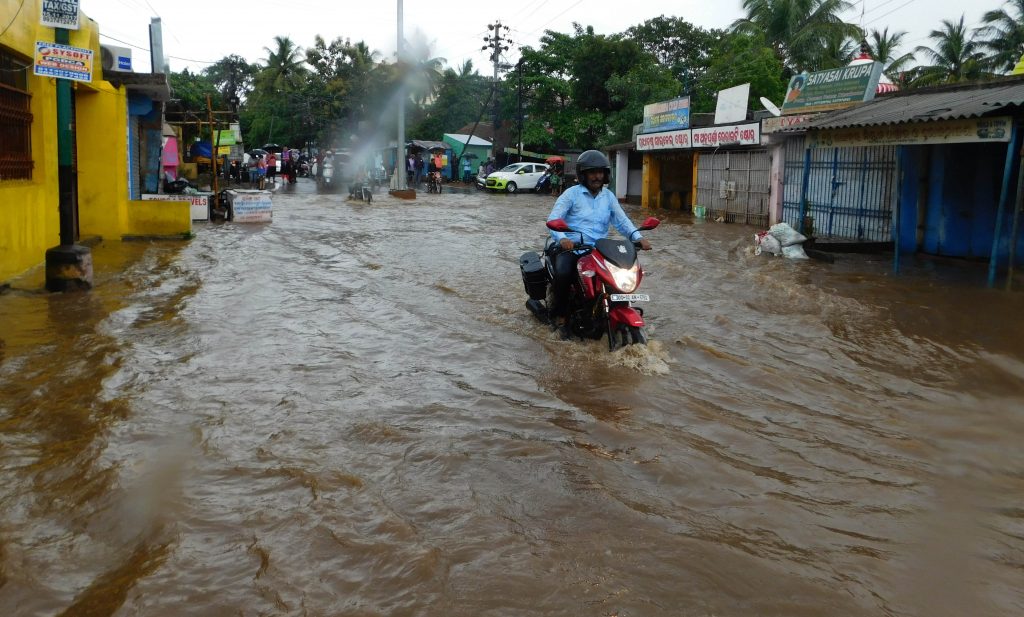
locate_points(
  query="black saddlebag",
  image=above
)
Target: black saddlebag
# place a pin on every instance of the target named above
(535, 275)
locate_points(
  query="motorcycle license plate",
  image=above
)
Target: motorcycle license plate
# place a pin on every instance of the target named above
(629, 298)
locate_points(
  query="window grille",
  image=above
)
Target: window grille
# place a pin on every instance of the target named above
(15, 120)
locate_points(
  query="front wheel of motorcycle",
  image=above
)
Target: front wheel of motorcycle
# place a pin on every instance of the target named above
(638, 335)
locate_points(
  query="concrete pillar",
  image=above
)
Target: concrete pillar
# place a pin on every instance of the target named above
(621, 173)
(69, 268)
(776, 189)
(651, 190)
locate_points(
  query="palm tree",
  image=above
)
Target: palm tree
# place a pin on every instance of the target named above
(1003, 36)
(423, 72)
(798, 30)
(884, 47)
(956, 56)
(284, 65)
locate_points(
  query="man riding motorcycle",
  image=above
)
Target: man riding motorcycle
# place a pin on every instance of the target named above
(589, 208)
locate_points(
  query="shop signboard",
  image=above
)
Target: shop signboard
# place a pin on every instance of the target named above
(250, 206)
(663, 141)
(832, 89)
(225, 137)
(199, 203)
(783, 123)
(59, 14)
(974, 130)
(64, 61)
(733, 135)
(667, 115)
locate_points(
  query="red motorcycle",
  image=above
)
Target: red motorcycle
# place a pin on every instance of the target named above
(602, 296)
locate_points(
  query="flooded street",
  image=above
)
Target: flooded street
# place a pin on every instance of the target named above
(350, 412)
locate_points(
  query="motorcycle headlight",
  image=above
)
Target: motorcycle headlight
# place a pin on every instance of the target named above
(625, 278)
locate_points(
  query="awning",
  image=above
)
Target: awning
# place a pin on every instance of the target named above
(928, 105)
(423, 144)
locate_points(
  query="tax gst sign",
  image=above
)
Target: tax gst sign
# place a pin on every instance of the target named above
(54, 60)
(59, 14)
(663, 141)
(667, 115)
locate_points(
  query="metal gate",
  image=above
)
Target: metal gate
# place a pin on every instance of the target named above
(734, 185)
(134, 158)
(850, 191)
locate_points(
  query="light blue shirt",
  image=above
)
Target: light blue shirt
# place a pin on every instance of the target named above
(591, 215)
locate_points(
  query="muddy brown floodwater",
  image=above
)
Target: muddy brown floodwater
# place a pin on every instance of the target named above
(350, 412)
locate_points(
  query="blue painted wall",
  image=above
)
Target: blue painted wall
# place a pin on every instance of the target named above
(960, 185)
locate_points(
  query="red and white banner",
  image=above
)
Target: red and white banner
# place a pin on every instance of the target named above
(735, 135)
(664, 141)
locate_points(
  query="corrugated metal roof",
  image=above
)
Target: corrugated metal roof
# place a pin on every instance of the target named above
(949, 103)
(461, 138)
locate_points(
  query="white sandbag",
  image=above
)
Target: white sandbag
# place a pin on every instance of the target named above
(794, 251)
(786, 235)
(764, 242)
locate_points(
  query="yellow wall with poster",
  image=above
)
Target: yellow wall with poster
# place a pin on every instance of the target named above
(29, 219)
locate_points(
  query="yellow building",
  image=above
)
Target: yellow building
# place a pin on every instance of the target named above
(101, 119)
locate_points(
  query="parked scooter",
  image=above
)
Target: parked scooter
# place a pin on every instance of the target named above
(326, 180)
(481, 181)
(602, 296)
(543, 184)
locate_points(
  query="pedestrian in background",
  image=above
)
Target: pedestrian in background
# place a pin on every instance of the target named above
(421, 168)
(271, 166)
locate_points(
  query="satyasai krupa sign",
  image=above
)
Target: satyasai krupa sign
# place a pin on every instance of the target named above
(59, 14)
(833, 89)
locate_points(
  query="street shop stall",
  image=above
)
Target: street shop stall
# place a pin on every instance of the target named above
(958, 158)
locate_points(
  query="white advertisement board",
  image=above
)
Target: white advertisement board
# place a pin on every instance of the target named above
(200, 204)
(251, 206)
(732, 104)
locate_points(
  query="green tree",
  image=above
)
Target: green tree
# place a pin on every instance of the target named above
(460, 97)
(684, 48)
(741, 58)
(189, 91)
(798, 30)
(956, 56)
(585, 89)
(1003, 35)
(233, 76)
(188, 100)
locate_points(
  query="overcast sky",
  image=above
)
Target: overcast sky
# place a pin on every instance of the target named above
(198, 31)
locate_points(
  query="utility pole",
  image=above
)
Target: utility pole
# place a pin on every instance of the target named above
(519, 70)
(402, 185)
(69, 265)
(497, 44)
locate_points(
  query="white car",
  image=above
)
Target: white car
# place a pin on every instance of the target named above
(516, 177)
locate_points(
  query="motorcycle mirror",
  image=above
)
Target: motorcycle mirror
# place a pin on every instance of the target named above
(558, 225)
(650, 223)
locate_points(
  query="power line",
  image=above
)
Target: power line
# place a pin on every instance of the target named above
(909, 2)
(16, 13)
(571, 7)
